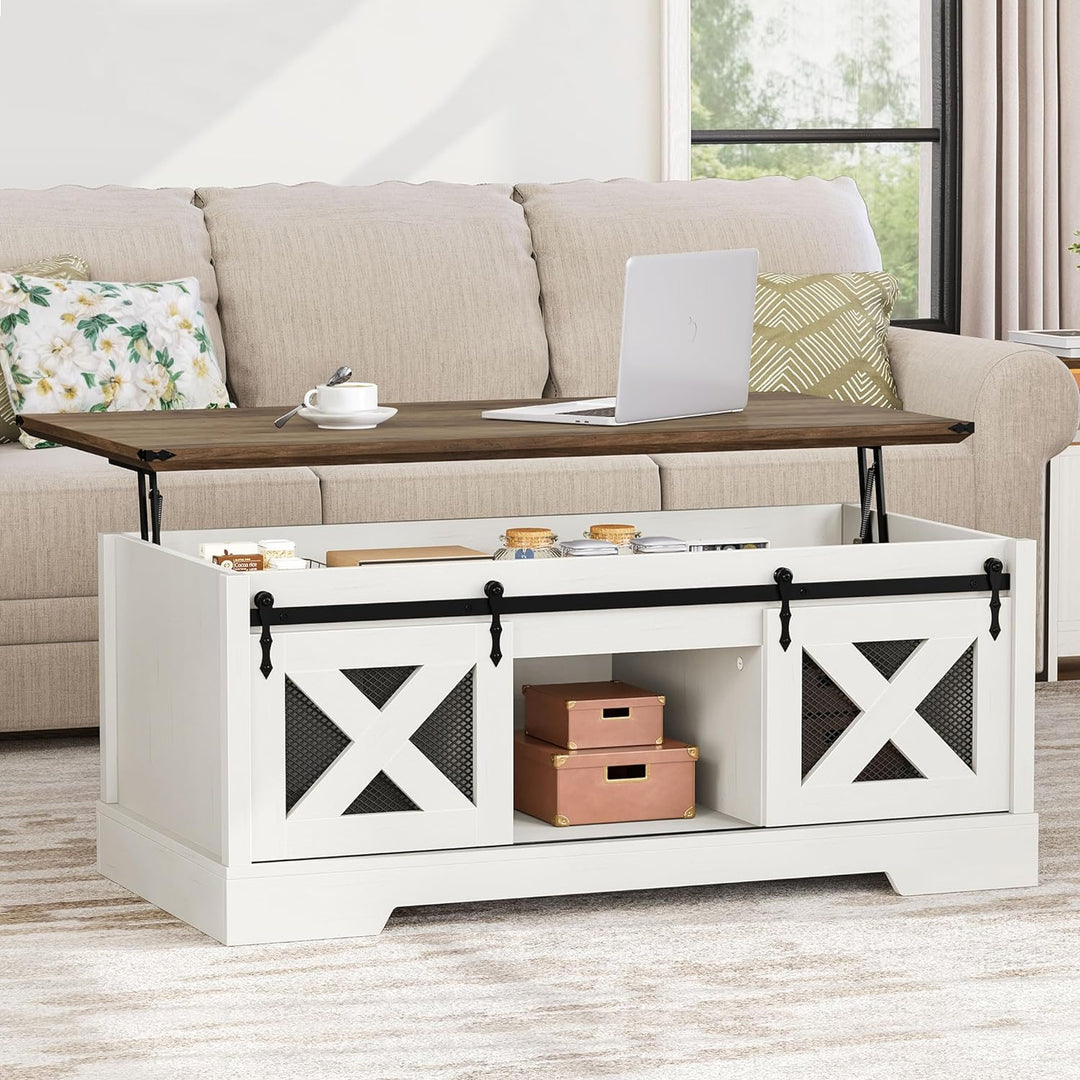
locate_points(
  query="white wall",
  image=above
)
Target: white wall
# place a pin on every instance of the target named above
(186, 92)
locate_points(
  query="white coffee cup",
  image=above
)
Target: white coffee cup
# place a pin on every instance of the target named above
(346, 397)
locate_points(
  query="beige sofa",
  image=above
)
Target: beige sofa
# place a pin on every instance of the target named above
(442, 291)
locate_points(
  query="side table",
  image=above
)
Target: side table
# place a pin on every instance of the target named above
(1063, 524)
(1062, 569)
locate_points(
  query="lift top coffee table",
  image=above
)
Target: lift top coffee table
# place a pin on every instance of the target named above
(292, 754)
(155, 442)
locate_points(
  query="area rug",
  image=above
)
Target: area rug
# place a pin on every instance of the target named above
(815, 978)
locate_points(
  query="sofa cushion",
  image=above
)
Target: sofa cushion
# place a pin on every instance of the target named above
(932, 482)
(48, 619)
(125, 234)
(49, 686)
(583, 233)
(428, 290)
(57, 501)
(474, 489)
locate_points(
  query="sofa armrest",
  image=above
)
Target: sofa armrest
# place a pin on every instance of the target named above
(1026, 410)
(1024, 401)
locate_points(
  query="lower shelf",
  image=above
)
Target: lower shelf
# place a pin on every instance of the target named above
(530, 830)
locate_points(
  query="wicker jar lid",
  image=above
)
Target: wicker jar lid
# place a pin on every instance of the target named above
(616, 534)
(529, 536)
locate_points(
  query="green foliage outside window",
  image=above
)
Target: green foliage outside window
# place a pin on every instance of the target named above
(861, 85)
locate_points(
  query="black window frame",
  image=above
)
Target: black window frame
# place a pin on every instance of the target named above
(944, 136)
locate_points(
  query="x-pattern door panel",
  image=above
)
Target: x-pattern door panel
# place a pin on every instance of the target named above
(887, 710)
(366, 741)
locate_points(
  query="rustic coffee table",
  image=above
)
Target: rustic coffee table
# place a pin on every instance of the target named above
(293, 754)
(155, 442)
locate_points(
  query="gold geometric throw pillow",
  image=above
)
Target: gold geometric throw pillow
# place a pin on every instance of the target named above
(62, 268)
(824, 334)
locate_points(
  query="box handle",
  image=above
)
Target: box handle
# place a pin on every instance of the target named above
(626, 774)
(616, 712)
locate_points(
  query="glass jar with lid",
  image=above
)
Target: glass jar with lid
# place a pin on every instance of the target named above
(528, 542)
(619, 535)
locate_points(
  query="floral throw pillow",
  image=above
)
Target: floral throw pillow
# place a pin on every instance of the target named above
(100, 346)
(69, 267)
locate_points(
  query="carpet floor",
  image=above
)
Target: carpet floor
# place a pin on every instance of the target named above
(814, 978)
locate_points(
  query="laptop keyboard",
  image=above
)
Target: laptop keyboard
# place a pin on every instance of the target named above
(609, 411)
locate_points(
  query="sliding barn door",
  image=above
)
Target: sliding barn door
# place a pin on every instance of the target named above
(887, 711)
(381, 739)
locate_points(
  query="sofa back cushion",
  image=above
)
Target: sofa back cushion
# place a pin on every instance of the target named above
(125, 234)
(583, 233)
(428, 290)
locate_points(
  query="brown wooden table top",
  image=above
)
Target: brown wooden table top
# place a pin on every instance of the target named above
(454, 431)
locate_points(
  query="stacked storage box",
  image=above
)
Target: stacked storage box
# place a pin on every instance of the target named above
(594, 753)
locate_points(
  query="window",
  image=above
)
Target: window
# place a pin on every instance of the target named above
(843, 88)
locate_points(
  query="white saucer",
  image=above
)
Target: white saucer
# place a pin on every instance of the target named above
(361, 421)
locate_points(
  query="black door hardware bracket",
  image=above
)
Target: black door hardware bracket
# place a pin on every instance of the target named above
(993, 570)
(784, 579)
(155, 455)
(264, 606)
(493, 590)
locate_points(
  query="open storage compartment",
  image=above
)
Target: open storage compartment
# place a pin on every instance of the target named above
(713, 701)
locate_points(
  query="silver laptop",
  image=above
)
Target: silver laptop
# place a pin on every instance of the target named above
(687, 324)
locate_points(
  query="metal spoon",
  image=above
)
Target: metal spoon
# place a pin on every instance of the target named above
(343, 374)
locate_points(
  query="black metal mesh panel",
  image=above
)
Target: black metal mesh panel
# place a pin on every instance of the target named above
(826, 712)
(949, 710)
(312, 742)
(445, 738)
(378, 684)
(889, 764)
(887, 656)
(381, 796)
(950, 707)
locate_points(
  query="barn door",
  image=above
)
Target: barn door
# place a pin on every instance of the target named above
(887, 710)
(381, 739)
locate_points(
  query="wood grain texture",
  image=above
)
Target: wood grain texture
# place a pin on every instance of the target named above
(454, 431)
